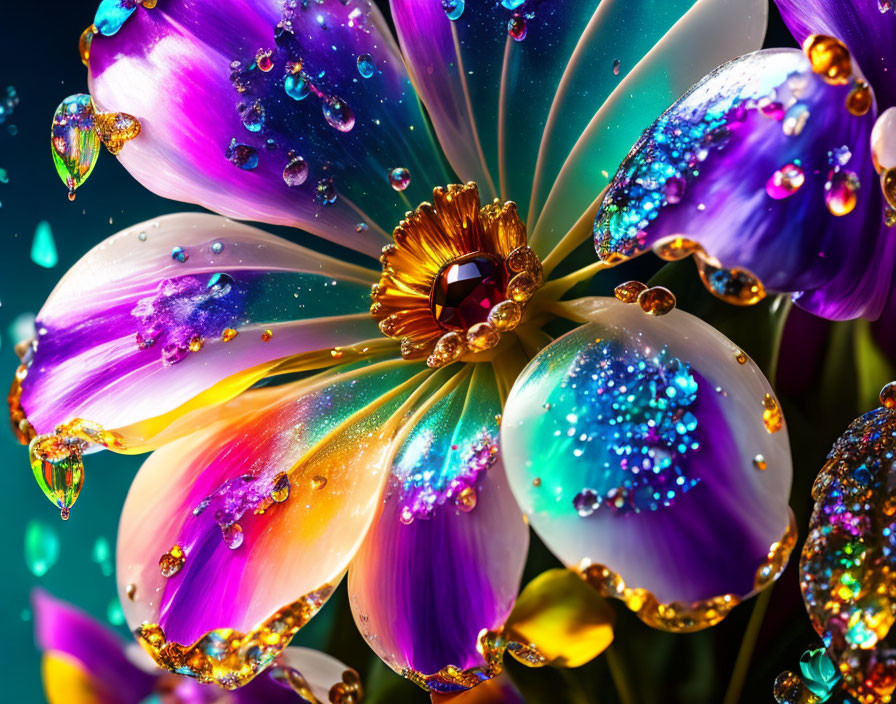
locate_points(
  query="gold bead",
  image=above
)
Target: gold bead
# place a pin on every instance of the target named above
(505, 315)
(656, 300)
(481, 337)
(629, 291)
(829, 57)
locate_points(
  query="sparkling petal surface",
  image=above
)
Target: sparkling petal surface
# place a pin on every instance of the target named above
(747, 165)
(435, 570)
(114, 337)
(496, 102)
(630, 443)
(863, 25)
(171, 68)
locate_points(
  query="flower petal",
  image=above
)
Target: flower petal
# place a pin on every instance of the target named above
(775, 178)
(505, 110)
(318, 673)
(650, 453)
(255, 517)
(499, 690)
(84, 663)
(172, 68)
(132, 333)
(444, 558)
(867, 27)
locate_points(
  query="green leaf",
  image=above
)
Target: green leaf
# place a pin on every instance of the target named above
(873, 368)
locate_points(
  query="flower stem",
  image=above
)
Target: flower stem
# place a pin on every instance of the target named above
(620, 677)
(747, 646)
(556, 288)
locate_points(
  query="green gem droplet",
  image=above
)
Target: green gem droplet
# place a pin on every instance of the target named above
(41, 547)
(58, 468)
(74, 142)
(43, 247)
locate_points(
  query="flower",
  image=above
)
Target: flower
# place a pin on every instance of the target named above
(84, 661)
(384, 454)
(776, 170)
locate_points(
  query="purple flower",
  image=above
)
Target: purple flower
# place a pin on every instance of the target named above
(775, 170)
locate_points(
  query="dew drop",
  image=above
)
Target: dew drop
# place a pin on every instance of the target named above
(399, 178)
(318, 482)
(263, 60)
(888, 395)
(75, 143)
(771, 414)
(217, 247)
(41, 547)
(453, 8)
(267, 336)
(841, 192)
(295, 173)
(760, 463)
(656, 300)
(253, 116)
(517, 28)
(585, 502)
(785, 182)
(366, 67)
(131, 591)
(242, 155)
(228, 334)
(297, 86)
(179, 254)
(466, 499)
(617, 66)
(172, 561)
(43, 246)
(280, 488)
(338, 114)
(232, 535)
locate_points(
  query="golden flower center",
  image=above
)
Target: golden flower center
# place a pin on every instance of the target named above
(457, 276)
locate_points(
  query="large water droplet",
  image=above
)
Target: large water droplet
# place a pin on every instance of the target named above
(242, 155)
(253, 116)
(585, 502)
(233, 536)
(453, 8)
(112, 14)
(297, 86)
(75, 143)
(841, 192)
(295, 173)
(43, 247)
(58, 468)
(399, 178)
(338, 114)
(116, 129)
(366, 67)
(41, 547)
(785, 182)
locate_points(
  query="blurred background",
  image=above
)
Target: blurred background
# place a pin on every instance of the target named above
(827, 376)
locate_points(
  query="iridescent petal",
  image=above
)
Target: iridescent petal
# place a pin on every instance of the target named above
(321, 675)
(208, 82)
(867, 27)
(232, 538)
(505, 110)
(443, 560)
(144, 323)
(650, 453)
(83, 662)
(762, 165)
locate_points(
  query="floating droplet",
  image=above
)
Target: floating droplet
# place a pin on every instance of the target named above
(297, 86)
(58, 468)
(318, 482)
(112, 14)
(325, 192)
(172, 561)
(217, 247)
(841, 192)
(585, 502)
(75, 142)
(366, 67)
(43, 247)
(656, 300)
(629, 291)
(295, 173)
(233, 536)
(116, 129)
(517, 28)
(399, 178)
(114, 613)
(617, 65)
(242, 155)
(253, 116)
(41, 547)
(785, 182)
(888, 395)
(771, 414)
(263, 60)
(453, 8)
(860, 99)
(795, 120)
(179, 254)
(829, 58)
(280, 489)
(466, 499)
(338, 114)
(760, 463)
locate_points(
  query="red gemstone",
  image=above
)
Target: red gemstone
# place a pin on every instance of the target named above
(466, 290)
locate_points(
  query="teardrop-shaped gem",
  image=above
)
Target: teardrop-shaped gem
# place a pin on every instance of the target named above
(58, 467)
(74, 142)
(115, 129)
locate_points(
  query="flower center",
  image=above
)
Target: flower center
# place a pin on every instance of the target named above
(458, 275)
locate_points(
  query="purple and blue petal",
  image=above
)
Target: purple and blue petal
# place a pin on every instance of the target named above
(764, 167)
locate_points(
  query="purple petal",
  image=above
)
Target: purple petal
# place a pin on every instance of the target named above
(443, 560)
(752, 164)
(114, 337)
(173, 68)
(62, 629)
(867, 27)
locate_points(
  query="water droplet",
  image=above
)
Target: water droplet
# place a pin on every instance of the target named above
(586, 502)
(114, 613)
(517, 28)
(297, 86)
(760, 463)
(466, 499)
(43, 247)
(512, 4)
(58, 468)
(295, 173)
(888, 395)
(75, 142)
(361, 227)
(253, 116)
(740, 357)
(399, 178)
(131, 591)
(829, 58)
(656, 300)
(228, 334)
(841, 192)
(617, 65)
(263, 60)
(280, 489)
(179, 254)
(795, 120)
(217, 247)
(888, 186)
(785, 182)
(142, 237)
(172, 561)
(112, 14)
(233, 536)
(338, 114)
(41, 547)
(629, 291)
(242, 155)
(116, 129)
(267, 336)
(325, 192)
(453, 8)
(318, 482)
(860, 99)
(366, 67)
(771, 414)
